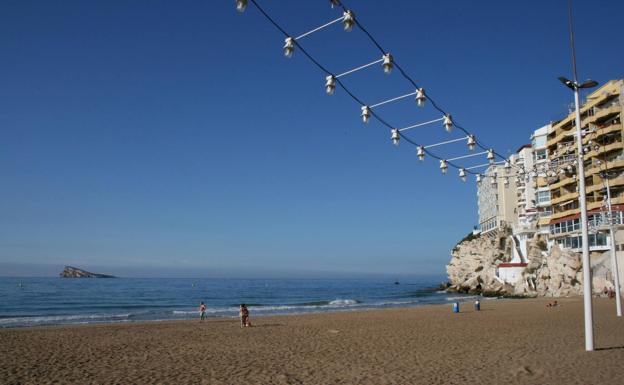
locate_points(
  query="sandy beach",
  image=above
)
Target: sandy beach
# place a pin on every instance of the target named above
(509, 341)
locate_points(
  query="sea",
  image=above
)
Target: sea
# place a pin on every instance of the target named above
(29, 302)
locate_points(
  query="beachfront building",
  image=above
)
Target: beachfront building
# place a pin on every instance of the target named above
(496, 197)
(524, 226)
(541, 189)
(525, 189)
(528, 207)
(603, 143)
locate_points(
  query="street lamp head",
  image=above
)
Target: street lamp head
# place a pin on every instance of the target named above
(588, 84)
(567, 82)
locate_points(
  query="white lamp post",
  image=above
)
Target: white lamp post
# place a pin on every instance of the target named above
(614, 262)
(587, 284)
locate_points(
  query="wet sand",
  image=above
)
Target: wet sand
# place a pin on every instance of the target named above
(509, 341)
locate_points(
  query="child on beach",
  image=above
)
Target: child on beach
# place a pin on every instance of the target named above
(243, 312)
(202, 311)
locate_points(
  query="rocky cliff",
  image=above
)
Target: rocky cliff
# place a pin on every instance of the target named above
(557, 273)
(74, 272)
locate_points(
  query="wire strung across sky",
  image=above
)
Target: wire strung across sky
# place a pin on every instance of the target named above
(389, 61)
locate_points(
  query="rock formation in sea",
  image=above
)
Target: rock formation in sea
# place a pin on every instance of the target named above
(74, 272)
(474, 268)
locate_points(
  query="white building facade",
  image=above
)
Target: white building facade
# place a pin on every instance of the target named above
(496, 197)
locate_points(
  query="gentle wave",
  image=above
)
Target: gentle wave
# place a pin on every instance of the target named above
(343, 302)
(337, 303)
(55, 319)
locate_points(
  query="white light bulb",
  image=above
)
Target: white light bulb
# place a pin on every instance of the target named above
(448, 123)
(348, 20)
(241, 5)
(443, 166)
(395, 137)
(330, 84)
(471, 142)
(420, 152)
(365, 114)
(462, 174)
(387, 63)
(289, 47)
(490, 156)
(420, 97)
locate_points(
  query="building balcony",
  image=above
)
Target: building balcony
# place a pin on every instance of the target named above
(611, 164)
(565, 213)
(603, 131)
(603, 113)
(605, 149)
(600, 186)
(566, 196)
(598, 204)
(558, 138)
(563, 181)
(543, 220)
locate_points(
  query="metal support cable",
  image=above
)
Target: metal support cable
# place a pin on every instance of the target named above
(359, 68)
(319, 28)
(446, 142)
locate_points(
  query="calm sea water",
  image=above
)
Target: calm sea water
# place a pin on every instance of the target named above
(50, 301)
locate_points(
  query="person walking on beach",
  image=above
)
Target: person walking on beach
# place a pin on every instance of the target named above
(243, 312)
(202, 311)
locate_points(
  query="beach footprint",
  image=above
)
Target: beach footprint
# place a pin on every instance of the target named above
(525, 371)
(287, 379)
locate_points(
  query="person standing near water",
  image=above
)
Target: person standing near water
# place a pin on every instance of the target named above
(202, 311)
(243, 312)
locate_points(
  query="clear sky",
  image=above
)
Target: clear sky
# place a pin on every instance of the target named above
(173, 138)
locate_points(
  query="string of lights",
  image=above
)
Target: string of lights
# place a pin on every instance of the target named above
(388, 62)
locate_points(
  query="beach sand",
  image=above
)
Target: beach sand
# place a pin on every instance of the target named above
(509, 341)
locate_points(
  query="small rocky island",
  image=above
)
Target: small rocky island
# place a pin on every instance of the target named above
(74, 272)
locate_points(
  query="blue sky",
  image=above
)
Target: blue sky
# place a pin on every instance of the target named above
(173, 138)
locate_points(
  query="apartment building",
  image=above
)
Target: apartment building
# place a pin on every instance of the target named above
(525, 190)
(541, 190)
(497, 200)
(604, 152)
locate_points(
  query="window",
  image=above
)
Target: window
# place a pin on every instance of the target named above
(565, 227)
(543, 196)
(575, 242)
(540, 154)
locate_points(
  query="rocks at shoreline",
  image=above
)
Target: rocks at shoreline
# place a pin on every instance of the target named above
(74, 272)
(557, 273)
